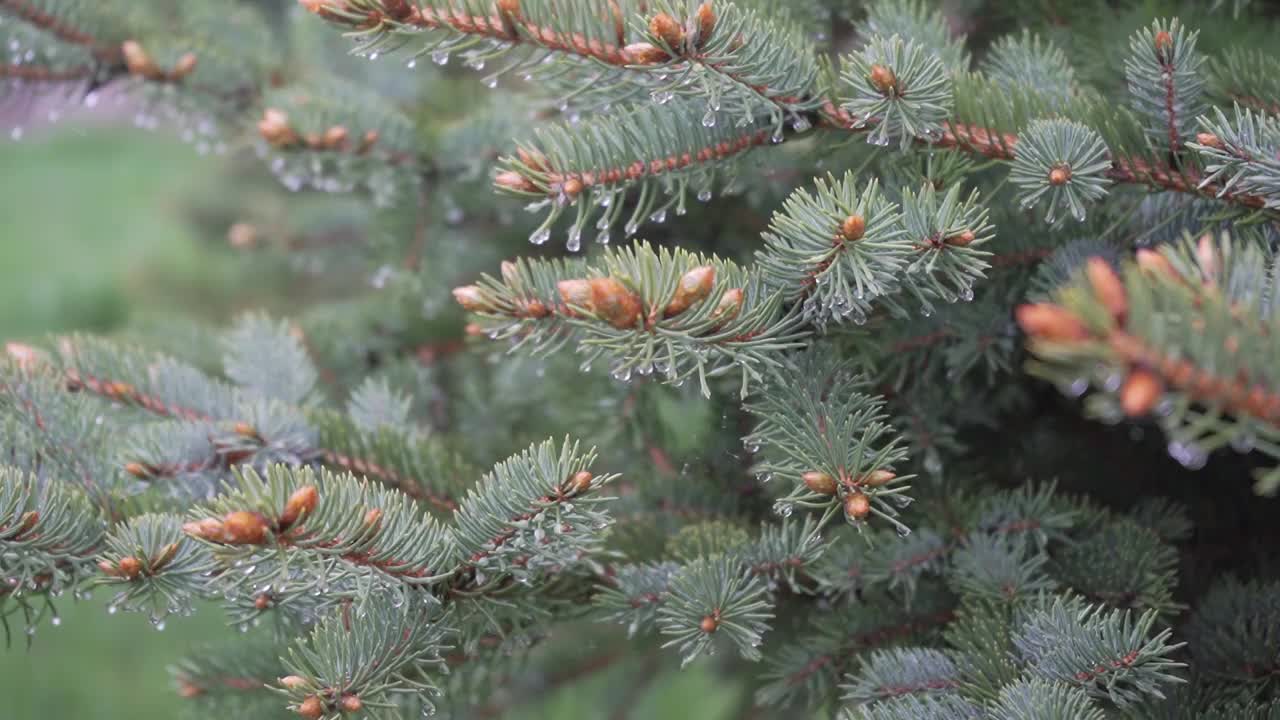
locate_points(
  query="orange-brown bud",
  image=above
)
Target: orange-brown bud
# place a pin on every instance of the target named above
(961, 239)
(665, 28)
(130, 567)
(882, 78)
(1207, 257)
(857, 505)
(138, 61)
(706, 22)
(581, 481)
(312, 708)
(730, 305)
(244, 429)
(853, 228)
(1163, 40)
(1209, 140)
(644, 53)
(575, 293)
(188, 690)
(1059, 175)
(1047, 321)
(572, 187)
(819, 482)
(274, 128)
(25, 356)
(206, 529)
(108, 569)
(335, 137)
(166, 555)
(244, 528)
(510, 8)
(512, 180)
(471, 299)
(614, 303)
(262, 602)
(694, 287)
(877, 478)
(619, 23)
(532, 158)
(184, 67)
(1140, 393)
(368, 141)
(1108, 287)
(373, 518)
(301, 502)
(137, 470)
(292, 682)
(709, 624)
(350, 704)
(1155, 262)
(242, 235)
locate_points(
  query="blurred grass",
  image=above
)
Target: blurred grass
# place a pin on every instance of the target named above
(91, 232)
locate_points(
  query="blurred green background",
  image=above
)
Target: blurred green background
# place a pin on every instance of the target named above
(93, 232)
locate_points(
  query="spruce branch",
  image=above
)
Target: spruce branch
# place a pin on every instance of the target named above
(713, 598)
(1233, 632)
(673, 313)
(154, 568)
(1242, 156)
(1038, 699)
(914, 707)
(1164, 75)
(1202, 378)
(896, 672)
(55, 19)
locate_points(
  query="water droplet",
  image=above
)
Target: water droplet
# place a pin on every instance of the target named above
(574, 243)
(776, 138)
(1243, 442)
(56, 620)
(540, 236)
(440, 57)
(704, 195)
(1189, 455)
(659, 216)
(158, 624)
(801, 124)
(709, 118)
(783, 508)
(413, 63)
(902, 530)
(1078, 387)
(622, 373)
(491, 82)
(112, 609)
(966, 293)
(604, 237)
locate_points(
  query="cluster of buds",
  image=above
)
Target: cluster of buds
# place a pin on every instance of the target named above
(673, 36)
(274, 127)
(130, 567)
(140, 63)
(606, 298)
(318, 705)
(857, 504)
(243, 527)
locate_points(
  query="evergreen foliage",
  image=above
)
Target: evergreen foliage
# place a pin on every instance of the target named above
(835, 456)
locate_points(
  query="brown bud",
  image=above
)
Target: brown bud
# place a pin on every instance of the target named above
(706, 23)
(1047, 321)
(1108, 287)
(367, 142)
(108, 569)
(961, 239)
(853, 228)
(581, 481)
(130, 567)
(882, 78)
(1140, 393)
(473, 329)
(730, 305)
(1059, 175)
(244, 528)
(244, 429)
(301, 502)
(644, 54)
(262, 602)
(1164, 40)
(857, 505)
(471, 299)
(350, 704)
(206, 529)
(694, 287)
(614, 303)
(312, 708)
(184, 67)
(510, 272)
(292, 682)
(1155, 262)
(709, 624)
(335, 137)
(1209, 140)
(138, 60)
(665, 28)
(572, 187)
(165, 557)
(819, 482)
(274, 128)
(188, 689)
(532, 158)
(510, 8)
(27, 522)
(372, 518)
(575, 293)
(137, 470)
(512, 180)
(1207, 257)
(619, 23)
(326, 9)
(877, 478)
(25, 356)
(242, 236)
